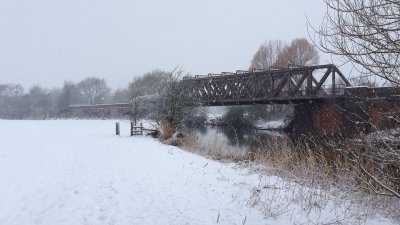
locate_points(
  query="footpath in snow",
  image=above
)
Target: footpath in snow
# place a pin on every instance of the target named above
(79, 172)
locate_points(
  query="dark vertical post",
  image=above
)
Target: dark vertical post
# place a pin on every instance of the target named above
(271, 87)
(117, 129)
(135, 132)
(289, 84)
(141, 128)
(132, 128)
(333, 82)
(309, 82)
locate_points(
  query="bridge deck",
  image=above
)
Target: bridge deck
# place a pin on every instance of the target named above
(263, 101)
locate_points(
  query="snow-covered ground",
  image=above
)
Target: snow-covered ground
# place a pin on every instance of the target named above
(271, 125)
(78, 172)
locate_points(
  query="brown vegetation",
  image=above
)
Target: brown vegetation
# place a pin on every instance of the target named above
(168, 130)
(363, 170)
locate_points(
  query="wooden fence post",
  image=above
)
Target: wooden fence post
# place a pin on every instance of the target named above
(136, 130)
(117, 129)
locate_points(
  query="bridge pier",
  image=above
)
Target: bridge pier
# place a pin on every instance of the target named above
(360, 110)
(318, 117)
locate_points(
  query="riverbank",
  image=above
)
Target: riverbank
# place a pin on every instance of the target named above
(324, 178)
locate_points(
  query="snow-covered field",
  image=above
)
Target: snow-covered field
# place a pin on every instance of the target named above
(78, 172)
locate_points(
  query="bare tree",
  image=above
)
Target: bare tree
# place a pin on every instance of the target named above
(276, 53)
(11, 90)
(176, 103)
(144, 90)
(69, 95)
(267, 54)
(149, 84)
(120, 96)
(40, 102)
(299, 53)
(366, 32)
(94, 90)
(12, 101)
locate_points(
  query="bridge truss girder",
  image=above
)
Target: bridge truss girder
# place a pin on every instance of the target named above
(270, 86)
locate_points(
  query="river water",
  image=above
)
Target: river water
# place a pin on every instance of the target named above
(233, 142)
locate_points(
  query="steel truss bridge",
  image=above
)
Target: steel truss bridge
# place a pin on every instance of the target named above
(322, 102)
(275, 85)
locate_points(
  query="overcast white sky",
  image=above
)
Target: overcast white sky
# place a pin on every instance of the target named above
(48, 41)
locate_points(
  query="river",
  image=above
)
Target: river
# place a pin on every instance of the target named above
(233, 142)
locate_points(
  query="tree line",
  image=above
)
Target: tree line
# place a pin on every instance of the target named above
(39, 103)
(153, 95)
(159, 88)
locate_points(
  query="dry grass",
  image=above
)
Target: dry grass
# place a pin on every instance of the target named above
(168, 129)
(327, 173)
